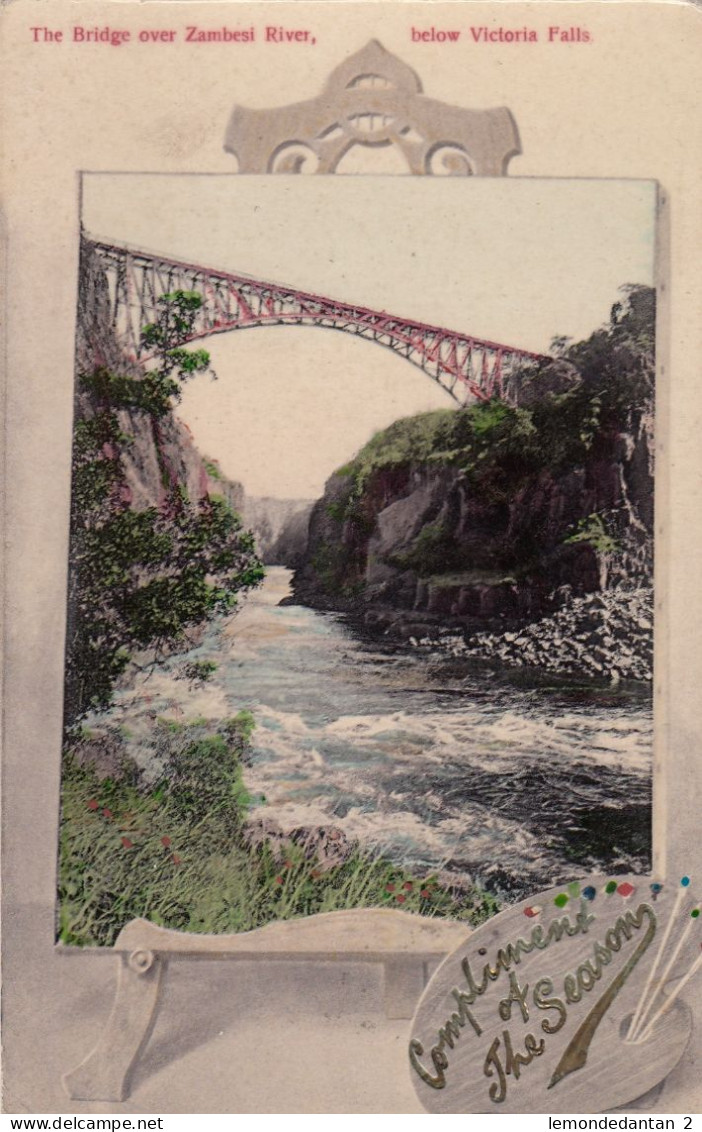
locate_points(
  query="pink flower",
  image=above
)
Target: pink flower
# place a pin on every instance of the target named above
(400, 898)
(127, 843)
(107, 813)
(93, 805)
(166, 841)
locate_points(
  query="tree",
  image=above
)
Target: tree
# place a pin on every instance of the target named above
(138, 580)
(618, 361)
(175, 324)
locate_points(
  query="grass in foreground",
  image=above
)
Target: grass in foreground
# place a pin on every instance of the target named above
(174, 851)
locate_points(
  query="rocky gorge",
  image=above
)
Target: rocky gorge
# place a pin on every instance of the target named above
(516, 533)
(363, 757)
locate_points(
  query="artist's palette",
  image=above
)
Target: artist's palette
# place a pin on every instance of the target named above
(533, 1013)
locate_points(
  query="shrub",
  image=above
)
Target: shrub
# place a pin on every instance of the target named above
(139, 579)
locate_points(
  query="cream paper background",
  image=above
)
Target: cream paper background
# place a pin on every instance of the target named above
(282, 1038)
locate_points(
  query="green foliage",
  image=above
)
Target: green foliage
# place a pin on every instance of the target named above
(497, 445)
(560, 344)
(576, 423)
(124, 847)
(333, 563)
(242, 725)
(213, 470)
(617, 367)
(592, 530)
(174, 324)
(175, 853)
(478, 439)
(429, 553)
(140, 579)
(199, 671)
(618, 361)
(153, 393)
(337, 510)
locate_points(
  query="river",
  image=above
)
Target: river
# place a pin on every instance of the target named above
(512, 780)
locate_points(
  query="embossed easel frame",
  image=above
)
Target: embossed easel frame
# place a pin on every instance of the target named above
(372, 100)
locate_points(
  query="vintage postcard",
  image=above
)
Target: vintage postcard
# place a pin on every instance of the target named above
(356, 652)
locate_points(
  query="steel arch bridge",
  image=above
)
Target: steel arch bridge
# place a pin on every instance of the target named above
(466, 367)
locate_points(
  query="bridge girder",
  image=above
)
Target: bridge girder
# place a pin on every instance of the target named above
(457, 362)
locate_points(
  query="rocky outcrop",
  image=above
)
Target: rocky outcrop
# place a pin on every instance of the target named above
(498, 516)
(604, 635)
(425, 539)
(327, 846)
(159, 454)
(218, 486)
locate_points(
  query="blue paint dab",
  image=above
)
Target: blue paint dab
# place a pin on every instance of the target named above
(589, 893)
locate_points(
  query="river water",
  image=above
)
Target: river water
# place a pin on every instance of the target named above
(510, 780)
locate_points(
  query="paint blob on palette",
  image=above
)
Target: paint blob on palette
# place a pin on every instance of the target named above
(571, 1000)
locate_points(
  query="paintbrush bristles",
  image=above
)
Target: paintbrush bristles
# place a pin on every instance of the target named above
(638, 1013)
(661, 981)
(646, 1033)
(644, 1017)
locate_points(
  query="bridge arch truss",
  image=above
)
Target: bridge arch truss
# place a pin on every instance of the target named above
(465, 367)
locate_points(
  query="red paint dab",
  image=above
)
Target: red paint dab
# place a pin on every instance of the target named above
(166, 841)
(625, 889)
(92, 804)
(127, 843)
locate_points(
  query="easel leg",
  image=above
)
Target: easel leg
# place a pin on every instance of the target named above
(404, 982)
(103, 1076)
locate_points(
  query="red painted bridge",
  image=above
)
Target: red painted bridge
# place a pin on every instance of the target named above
(464, 366)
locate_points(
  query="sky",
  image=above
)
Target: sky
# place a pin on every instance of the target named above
(514, 260)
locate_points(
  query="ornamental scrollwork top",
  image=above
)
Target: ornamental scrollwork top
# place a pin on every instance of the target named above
(373, 99)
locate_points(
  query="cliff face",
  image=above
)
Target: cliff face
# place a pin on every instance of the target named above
(154, 551)
(218, 486)
(427, 539)
(492, 514)
(280, 527)
(160, 454)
